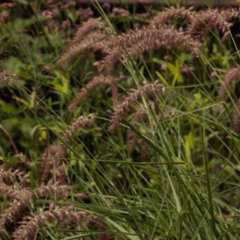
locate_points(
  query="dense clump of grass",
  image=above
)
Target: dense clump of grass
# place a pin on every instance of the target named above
(117, 124)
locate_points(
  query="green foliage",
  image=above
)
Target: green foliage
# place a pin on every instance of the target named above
(181, 179)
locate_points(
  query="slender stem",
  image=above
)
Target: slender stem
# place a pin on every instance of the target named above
(10, 139)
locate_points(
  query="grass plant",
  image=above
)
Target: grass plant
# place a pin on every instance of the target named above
(119, 122)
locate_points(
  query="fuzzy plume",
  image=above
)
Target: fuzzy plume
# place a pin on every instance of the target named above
(78, 123)
(94, 41)
(205, 21)
(136, 42)
(12, 177)
(121, 12)
(54, 155)
(165, 38)
(178, 13)
(94, 83)
(10, 192)
(7, 78)
(232, 75)
(84, 39)
(87, 27)
(23, 197)
(15, 209)
(29, 226)
(120, 112)
(158, 35)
